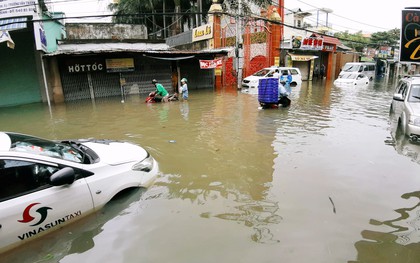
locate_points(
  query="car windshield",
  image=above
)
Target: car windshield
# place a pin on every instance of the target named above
(349, 76)
(25, 143)
(351, 68)
(261, 73)
(414, 93)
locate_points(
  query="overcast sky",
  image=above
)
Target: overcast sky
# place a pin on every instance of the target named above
(352, 15)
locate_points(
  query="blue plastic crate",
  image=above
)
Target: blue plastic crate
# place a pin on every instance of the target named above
(268, 90)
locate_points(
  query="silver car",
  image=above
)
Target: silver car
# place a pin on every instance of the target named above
(405, 107)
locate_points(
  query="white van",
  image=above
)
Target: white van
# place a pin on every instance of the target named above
(250, 83)
(367, 68)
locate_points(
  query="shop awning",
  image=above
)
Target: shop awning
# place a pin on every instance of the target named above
(169, 58)
(14, 23)
(302, 57)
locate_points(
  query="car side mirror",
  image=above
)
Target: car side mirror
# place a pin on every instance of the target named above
(63, 176)
(398, 97)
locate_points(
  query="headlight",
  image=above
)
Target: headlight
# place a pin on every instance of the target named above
(414, 120)
(146, 165)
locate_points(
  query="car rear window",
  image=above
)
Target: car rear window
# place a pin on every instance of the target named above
(294, 72)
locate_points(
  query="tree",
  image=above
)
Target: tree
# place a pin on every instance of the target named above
(388, 38)
(356, 41)
(149, 12)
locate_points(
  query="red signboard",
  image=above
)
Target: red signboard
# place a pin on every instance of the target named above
(209, 64)
(312, 43)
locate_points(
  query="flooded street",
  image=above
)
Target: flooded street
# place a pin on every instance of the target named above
(321, 181)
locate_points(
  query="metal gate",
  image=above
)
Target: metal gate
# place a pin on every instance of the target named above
(101, 84)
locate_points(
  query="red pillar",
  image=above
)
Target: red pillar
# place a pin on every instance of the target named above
(276, 29)
(217, 39)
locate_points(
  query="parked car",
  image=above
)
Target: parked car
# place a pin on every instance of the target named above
(405, 107)
(47, 184)
(367, 68)
(351, 79)
(250, 83)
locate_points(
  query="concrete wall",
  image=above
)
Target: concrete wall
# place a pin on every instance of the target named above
(105, 31)
(19, 79)
(54, 31)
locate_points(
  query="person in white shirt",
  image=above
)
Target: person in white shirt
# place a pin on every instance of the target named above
(184, 89)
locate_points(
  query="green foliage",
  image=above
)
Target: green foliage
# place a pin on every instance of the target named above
(387, 38)
(149, 12)
(358, 41)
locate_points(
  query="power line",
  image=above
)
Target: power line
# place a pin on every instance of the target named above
(349, 19)
(182, 14)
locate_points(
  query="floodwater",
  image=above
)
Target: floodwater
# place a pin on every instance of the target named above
(321, 181)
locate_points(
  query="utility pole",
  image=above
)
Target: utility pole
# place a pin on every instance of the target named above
(238, 48)
(281, 52)
(164, 19)
(200, 11)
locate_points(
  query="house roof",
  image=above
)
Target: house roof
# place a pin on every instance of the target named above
(155, 49)
(329, 40)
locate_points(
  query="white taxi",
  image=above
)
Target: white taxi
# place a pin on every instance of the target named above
(250, 83)
(47, 184)
(351, 80)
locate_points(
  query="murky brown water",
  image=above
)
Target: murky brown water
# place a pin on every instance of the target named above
(321, 181)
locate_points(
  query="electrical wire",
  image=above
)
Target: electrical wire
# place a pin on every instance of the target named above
(181, 14)
(349, 19)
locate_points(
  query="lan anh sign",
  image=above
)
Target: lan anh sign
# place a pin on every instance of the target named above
(202, 32)
(410, 36)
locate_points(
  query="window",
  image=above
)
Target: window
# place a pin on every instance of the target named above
(414, 93)
(19, 177)
(404, 89)
(400, 88)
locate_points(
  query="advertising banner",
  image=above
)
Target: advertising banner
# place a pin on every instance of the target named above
(119, 65)
(5, 37)
(209, 64)
(40, 37)
(16, 8)
(410, 36)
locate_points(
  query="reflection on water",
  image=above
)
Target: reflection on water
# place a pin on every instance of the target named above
(241, 184)
(401, 243)
(402, 143)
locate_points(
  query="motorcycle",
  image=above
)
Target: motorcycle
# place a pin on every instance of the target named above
(153, 99)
